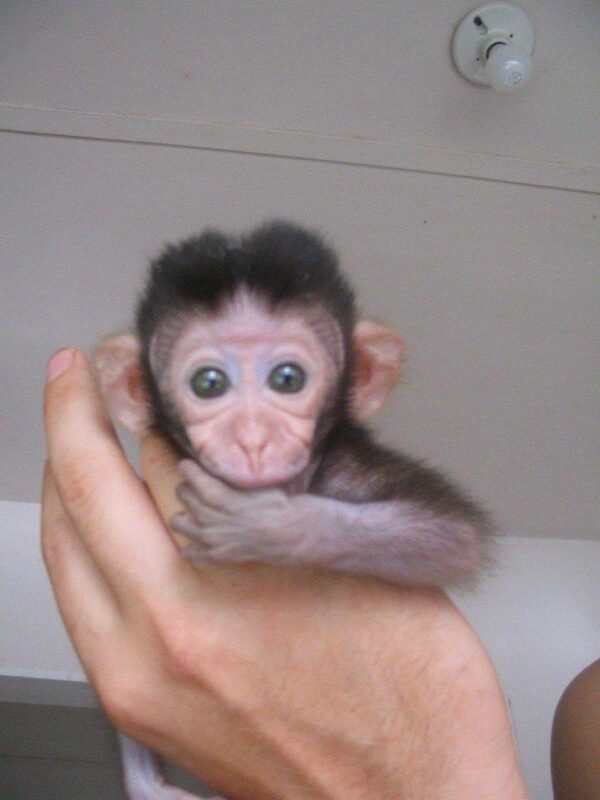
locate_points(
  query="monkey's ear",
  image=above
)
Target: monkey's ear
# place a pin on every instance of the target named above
(378, 354)
(117, 365)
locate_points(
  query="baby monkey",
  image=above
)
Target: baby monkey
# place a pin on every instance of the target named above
(249, 357)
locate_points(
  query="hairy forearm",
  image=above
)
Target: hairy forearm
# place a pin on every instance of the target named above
(435, 724)
(424, 730)
(400, 703)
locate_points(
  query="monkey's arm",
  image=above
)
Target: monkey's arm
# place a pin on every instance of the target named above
(397, 540)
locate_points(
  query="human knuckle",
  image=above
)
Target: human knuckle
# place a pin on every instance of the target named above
(167, 627)
(183, 647)
(52, 544)
(180, 648)
(123, 698)
(80, 479)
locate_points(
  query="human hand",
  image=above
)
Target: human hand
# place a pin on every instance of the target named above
(265, 682)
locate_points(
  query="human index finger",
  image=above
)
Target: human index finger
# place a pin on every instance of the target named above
(109, 505)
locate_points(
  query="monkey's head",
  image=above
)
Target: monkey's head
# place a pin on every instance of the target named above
(247, 353)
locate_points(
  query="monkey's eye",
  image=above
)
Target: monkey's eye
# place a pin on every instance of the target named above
(209, 382)
(287, 378)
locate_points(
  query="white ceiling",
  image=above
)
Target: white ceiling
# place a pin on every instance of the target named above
(132, 123)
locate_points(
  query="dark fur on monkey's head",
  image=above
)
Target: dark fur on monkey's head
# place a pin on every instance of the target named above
(284, 265)
(287, 263)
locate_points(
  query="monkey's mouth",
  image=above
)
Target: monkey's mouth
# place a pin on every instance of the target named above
(247, 478)
(259, 482)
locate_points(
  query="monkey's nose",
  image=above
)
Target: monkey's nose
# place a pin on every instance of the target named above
(252, 439)
(254, 454)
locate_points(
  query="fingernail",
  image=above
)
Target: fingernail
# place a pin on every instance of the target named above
(59, 362)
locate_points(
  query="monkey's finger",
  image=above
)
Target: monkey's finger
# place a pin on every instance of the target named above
(195, 553)
(108, 504)
(212, 491)
(86, 604)
(183, 523)
(192, 503)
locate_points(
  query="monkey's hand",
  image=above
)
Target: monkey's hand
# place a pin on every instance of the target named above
(395, 540)
(227, 524)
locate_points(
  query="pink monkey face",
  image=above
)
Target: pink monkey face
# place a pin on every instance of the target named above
(248, 385)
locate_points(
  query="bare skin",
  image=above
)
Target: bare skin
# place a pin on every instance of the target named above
(263, 681)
